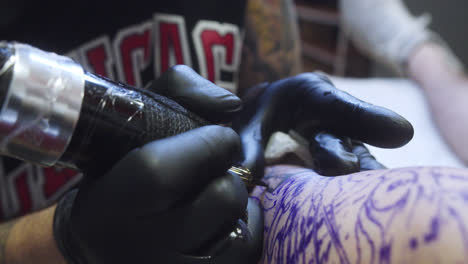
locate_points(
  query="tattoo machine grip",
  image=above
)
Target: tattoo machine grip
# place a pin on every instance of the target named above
(55, 113)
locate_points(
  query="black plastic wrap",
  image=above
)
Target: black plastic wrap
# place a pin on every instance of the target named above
(116, 118)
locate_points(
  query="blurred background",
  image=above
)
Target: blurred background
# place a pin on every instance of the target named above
(448, 20)
(326, 48)
(333, 53)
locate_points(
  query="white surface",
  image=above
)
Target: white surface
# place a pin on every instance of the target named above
(402, 96)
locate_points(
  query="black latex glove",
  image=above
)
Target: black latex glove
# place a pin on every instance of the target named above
(340, 155)
(197, 94)
(309, 104)
(170, 201)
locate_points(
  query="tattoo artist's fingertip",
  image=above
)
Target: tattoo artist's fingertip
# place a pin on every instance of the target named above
(402, 134)
(231, 103)
(410, 130)
(219, 134)
(390, 130)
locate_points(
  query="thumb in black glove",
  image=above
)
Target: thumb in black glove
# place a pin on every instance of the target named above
(309, 104)
(170, 201)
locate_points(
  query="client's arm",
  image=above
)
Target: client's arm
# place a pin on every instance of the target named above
(446, 88)
(393, 36)
(413, 215)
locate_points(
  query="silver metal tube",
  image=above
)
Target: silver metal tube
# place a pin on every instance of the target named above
(42, 104)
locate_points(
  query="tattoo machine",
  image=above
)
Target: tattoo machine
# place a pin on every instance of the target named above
(53, 112)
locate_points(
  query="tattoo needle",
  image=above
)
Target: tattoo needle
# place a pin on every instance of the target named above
(247, 177)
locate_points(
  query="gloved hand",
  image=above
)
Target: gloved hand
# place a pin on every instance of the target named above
(329, 118)
(170, 201)
(197, 94)
(340, 155)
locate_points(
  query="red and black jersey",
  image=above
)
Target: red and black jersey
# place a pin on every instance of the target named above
(129, 41)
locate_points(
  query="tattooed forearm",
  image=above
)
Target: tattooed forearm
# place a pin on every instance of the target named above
(4, 232)
(271, 43)
(415, 215)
